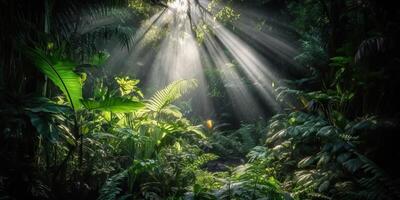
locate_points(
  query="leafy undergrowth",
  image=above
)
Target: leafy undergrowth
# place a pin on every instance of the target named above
(118, 145)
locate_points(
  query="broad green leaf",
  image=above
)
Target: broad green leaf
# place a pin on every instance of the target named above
(44, 105)
(114, 104)
(61, 72)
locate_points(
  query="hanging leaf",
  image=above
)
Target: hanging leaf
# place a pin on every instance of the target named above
(61, 72)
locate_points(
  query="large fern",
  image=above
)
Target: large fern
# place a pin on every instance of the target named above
(111, 189)
(163, 98)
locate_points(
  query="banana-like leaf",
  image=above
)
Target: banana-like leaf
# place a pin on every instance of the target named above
(114, 104)
(61, 72)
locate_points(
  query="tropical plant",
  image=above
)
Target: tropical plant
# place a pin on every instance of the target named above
(237, 143)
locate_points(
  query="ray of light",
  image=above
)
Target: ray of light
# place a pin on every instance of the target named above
(234, 85)
(274, 42)
(255, 68)
(134, 58)
(179, 55)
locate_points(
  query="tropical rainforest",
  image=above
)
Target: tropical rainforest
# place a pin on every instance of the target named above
(199, 100)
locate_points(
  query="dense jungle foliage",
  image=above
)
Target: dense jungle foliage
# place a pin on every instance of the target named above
(74, 127)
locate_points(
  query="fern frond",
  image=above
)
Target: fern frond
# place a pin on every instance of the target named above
(111, 189)
(163, 98)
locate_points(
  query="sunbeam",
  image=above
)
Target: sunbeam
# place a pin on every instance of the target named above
(178, 54)
(234, 85)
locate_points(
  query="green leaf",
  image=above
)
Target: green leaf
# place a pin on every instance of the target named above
(327, 131)
(324, 186)
(340, 61)
(353, 164)
(61, 73)
(305, 162)
(196, 130)
(44, 105)
(99, 58)
(113, 104)
(111, 188)
(40, 123)
(324, 159)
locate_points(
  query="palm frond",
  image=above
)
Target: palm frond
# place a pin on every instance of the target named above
(85, 25)
(371, 47)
